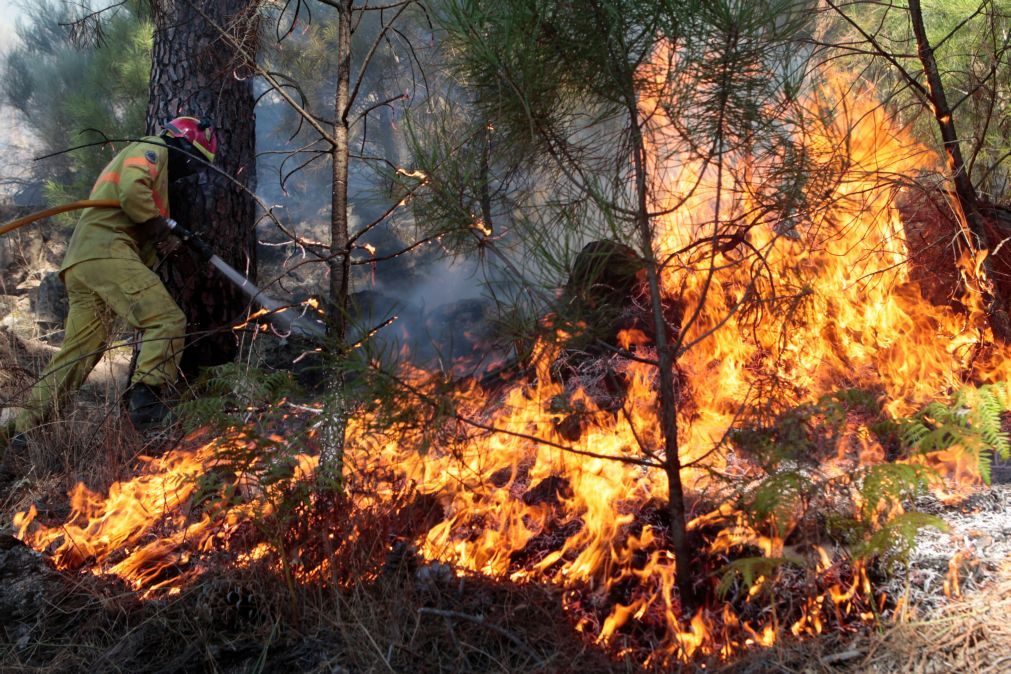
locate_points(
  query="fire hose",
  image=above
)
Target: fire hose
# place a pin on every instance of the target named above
(56, 210)
(285, 318)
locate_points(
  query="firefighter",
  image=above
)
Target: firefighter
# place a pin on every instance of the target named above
(107, 271)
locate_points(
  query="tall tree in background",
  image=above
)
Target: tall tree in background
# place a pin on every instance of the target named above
(195, 71)
(949, 62)
(77, 81)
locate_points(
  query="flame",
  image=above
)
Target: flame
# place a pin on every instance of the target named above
(580, 510)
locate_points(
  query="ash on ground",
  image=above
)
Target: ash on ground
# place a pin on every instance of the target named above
(972, 551)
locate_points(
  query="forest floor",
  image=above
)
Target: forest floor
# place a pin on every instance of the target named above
(420, 617)
(414, 616)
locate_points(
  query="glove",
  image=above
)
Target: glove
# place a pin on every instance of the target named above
(169, 245)
(155, 229)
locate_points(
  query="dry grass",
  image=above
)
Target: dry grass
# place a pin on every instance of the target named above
(413, 617)
(410, 618)
(245, 620)
(88, 440)
(970, 635)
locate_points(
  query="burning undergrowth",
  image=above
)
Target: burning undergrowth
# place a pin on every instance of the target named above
(776, 557)
(818, 395)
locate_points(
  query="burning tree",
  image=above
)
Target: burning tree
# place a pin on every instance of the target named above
(608, 103)
(944, 73)
(771, 373)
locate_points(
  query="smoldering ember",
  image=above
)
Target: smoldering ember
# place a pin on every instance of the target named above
(532, 336)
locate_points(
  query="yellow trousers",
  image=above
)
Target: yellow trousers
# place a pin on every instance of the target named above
(97, 290)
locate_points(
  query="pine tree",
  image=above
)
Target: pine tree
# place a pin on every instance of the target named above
(194, 73)
(78, 82)
(567, 94)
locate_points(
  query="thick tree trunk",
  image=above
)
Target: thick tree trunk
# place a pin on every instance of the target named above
(195, 73)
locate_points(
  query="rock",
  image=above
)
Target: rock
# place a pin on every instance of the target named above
(604, 273)
(26, 287)
(49, 301)
(27, 585)
(8, 303)
(1000, 471)
(20, 321)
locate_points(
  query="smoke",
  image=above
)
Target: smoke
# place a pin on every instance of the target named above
(437, 300)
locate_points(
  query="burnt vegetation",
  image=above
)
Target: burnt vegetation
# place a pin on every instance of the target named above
(659, 335)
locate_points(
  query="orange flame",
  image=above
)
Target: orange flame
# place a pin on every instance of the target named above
(582, 513)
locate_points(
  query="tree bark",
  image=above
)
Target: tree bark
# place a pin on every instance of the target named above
(194, 73)
(668, 400)
(340, 255)
(335, 421)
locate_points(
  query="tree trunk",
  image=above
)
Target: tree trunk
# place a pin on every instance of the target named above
(665, 355)
(340, 267)
(335, 422)
(965, 192)
(194, 73)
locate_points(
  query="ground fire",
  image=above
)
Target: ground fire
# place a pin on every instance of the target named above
(513, 492)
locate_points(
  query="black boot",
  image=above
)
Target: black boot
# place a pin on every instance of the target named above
(146, 406)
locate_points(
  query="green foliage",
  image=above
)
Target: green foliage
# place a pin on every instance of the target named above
(259, 462)
(863, 510)
(971, 421)
(233, 395)
(887, 485)
(245, 404)
(892, 543)
(806, 431)
(545, 139)
(974, 60)
(69, 93)
(777, 500)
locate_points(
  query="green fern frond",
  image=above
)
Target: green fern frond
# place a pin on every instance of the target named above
(984, 463)
(887, 484)
(776, 499)
(895, 540)
(973, 420)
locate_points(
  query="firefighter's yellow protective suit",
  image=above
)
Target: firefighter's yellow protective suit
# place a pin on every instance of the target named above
(107, 273)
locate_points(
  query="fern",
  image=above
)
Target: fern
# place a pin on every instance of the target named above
(776, 500)
(893, 542)
(888, 484)
(229, 391)
(972, 421)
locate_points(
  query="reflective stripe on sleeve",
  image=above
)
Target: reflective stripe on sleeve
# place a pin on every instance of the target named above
(107, 177)
(143, 163)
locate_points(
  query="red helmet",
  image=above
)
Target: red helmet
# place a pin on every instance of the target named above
(199, 133)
